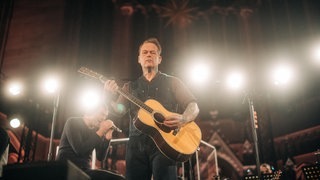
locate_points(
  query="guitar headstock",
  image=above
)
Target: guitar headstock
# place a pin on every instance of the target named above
(91, 73)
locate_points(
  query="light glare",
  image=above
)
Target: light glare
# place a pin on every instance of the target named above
(15, 88)
(316, 53)
(282, 75)
(51, 85)
(235, 80)
(90, 99)
(199, 73)
(15, 123)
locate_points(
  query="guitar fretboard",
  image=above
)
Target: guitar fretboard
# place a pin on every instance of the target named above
(127, 95)
(135, 100)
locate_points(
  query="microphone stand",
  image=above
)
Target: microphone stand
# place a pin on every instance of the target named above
(254, 133)
(55, 110)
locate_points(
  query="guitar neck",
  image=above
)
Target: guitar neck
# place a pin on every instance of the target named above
(127, 95)
(130, 97)
(135, 100)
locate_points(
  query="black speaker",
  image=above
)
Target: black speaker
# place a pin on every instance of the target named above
(44, 171)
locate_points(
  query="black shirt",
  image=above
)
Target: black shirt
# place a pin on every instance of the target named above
(78, 141)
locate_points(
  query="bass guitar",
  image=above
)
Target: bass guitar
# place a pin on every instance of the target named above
(177, 144)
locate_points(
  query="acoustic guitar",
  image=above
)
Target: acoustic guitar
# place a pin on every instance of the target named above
(177, 144)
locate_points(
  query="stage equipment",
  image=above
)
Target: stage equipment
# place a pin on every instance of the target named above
(44, 170)
(254, 131)
(54, 116)
(214, 150)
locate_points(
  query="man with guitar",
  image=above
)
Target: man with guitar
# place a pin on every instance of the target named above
(162, 130)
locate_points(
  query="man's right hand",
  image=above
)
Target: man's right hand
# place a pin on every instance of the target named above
(108, 124)
(104, 127)
(108, 135)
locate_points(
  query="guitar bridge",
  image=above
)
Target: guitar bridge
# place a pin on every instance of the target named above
(175, 132)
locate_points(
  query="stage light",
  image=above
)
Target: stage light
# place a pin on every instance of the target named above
(90, 99)
(235, 80)
(51, 85)
(282, 75)
(15, 88)
(199, 73)
(15, 123)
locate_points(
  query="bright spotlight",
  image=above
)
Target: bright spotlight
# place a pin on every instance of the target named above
(51, 85)
(282, 75)
(200, 73)
(90, 99)
(15, 123)
(15, 88)
(235, 80)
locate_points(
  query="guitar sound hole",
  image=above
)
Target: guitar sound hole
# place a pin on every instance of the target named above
(159, 121)
(159, 117)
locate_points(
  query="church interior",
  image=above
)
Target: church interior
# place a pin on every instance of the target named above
(253, 37)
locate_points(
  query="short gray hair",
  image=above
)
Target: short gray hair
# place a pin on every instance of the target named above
(153, 41)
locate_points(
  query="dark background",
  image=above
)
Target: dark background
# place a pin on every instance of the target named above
(61, 36)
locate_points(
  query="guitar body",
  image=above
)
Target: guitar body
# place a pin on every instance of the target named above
(177, 144)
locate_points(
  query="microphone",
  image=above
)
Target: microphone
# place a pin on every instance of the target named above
(114, 127)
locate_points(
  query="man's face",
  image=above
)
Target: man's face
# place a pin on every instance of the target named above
(149, 56)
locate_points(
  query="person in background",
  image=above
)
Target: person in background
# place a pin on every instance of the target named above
(143, 159)
(265, 168)
(82, 135)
